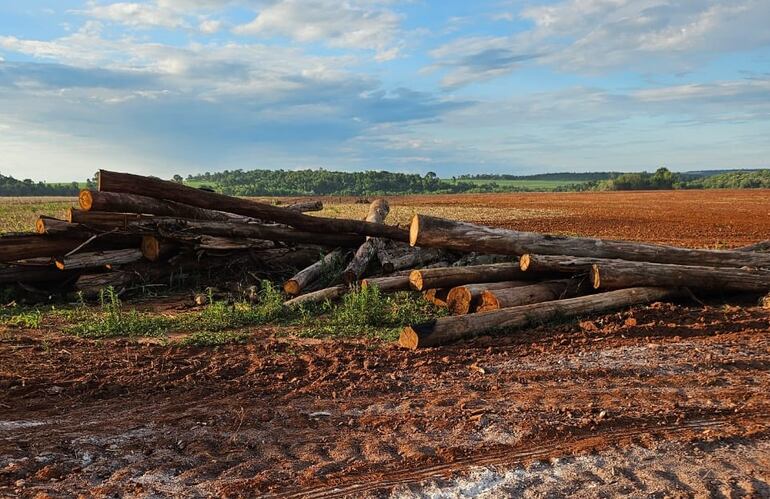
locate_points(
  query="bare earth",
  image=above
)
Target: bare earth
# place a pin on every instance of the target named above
(666, 400)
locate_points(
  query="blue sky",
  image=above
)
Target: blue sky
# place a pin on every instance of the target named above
(186, 86)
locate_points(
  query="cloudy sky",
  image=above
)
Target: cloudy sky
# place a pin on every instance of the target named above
(186, 86)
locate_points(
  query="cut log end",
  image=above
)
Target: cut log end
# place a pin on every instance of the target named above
(596, 279)
(524, 262)
(151, 248)
(85, 200)
(415, 280)
(414, 230)
(459, 301)
(40, 225)
(291, 287)
(488, 302)
(417, 335)
(59, 264)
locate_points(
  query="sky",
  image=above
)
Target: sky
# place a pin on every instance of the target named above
(168, 87)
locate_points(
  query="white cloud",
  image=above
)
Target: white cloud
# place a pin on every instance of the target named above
(210, 26)
(352, 24)
(137, 14)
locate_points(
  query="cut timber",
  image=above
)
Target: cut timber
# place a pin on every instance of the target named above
(408, 259)
(97, 259)
(306, 206)
(557, 263)
(155, 248)
(449, 277)
(134, 203)
(162, 189)
(387, 283)
(24, 246)
(15, 274)
(465, 299)
(105, 219)
(54, 226)
(308, 275)
(438, 232)
(331, 293)
(761, 247)
(378, 210)
(616, 274)
(534, 293)
(171, 228)
(215, 243)
(448, 329)
(438, 297)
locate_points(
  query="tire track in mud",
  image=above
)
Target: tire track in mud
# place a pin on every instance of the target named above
(516, 455)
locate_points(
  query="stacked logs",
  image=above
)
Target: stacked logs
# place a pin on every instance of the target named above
(135, 231)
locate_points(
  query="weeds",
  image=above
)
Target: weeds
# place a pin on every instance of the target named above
(19, 317)
(113, 321)
(210, 339)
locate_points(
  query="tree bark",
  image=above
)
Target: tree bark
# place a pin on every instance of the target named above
(534, 293)
(331, 293)
(449, 277)
(437, 232)
(617, 274)
(24, 246)
(162, 189)
(760, 247)
(97, 259)
(215, 243)
(557, 264)
(448, 329)
(308, 275)
(104, 219)
(408, 258)
(378, 210)
(54, 226)
(387, 283)
(36, 274)
(465, 299)
(306, 206)
(134, 203)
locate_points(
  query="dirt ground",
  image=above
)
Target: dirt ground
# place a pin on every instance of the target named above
(668, 400)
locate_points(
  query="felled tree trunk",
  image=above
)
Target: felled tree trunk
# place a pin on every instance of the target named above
(392, 260)
(465, 299)
(616, 274)
(36, 274)
(558, 264)
(133, 203)
(438, 297)
(760, 247)
(156, 249)
(534, 293)
(321, 295)
(387, 283)
(15, 247)
(448, 329)
(308, 275)
(378, 210)
(162, 189)
(437, 232)
(98, 259)
(105, 220)
(449, 277)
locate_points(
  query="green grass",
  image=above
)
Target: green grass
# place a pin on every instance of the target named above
(30, 318)
(211, 339)
(18, 214)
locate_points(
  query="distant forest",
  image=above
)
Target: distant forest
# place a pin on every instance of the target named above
(323, 182)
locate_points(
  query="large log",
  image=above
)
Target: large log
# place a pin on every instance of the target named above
(436, 296)
(54, 226)
(448, 329)
(387, 283)
(321, 295)
(34, 274)
(465, 299)
(216, 243)
(534, 293)
(760, 247)
(616, 274)
(378, 210)
(306, 206)
(134, 203)
(97, 259)
(24, 246)
(437, 232)
(154, 248)
(392, 260)
(105, 219)
(558, 264)
(172, 228)
(449, 277)
(308, 275)
(162, 189)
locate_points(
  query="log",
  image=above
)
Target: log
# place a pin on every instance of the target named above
(378, 210)
(617, 274)
(331, 293)
(761, 247)
(437, 232)
(449, 277)
(104, 219)
(175, 228)
(155, 249)
(283, 260)
(438, 297)
(54, 226)
(534, 293)
(97, 259)
(387, 283)
(306, 206)
(134, 203)
(558, 264)
(411, 258)
(215, 243)
(35, 274)
(172, 191)
(308, 275)
(448, 329)
(24, 246)
(465, 299)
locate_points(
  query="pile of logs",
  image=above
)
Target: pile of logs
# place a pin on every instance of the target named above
(136, 231)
